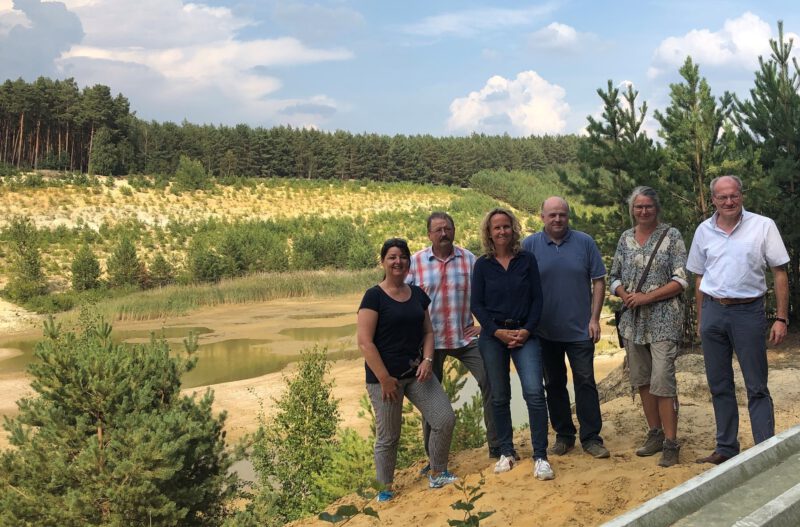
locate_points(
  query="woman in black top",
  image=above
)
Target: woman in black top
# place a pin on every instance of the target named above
(507, 301)
(393, 327)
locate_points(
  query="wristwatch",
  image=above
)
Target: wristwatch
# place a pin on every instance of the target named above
(781, 319)
(428, 359)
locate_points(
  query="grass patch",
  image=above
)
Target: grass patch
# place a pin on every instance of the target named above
(180, 300)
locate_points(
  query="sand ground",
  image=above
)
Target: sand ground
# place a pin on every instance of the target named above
(585, 492)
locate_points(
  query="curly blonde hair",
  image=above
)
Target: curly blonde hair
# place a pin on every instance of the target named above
(486, 235)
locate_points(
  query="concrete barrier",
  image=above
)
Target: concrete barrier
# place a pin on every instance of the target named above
(777, 509)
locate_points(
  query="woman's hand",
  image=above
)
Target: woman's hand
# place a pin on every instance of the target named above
(504, 335)
(424, 370)
(520, 337)
(389, 388)
(636, 300)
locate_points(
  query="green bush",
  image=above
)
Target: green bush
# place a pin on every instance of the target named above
(297, 444)
(123, 266)
(26, 278)
(85, 270)
(134, 452)
(190, 175)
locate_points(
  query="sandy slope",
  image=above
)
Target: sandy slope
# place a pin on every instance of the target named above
(585, 492)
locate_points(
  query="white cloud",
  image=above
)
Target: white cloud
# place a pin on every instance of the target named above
(153, 24)
(176, 61)
(523, 106)
(738, 45)
(471, 22)
(558, 36)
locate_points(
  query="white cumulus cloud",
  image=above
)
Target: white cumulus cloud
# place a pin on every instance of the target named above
(177, 60)
(558, 36)
(737, 44)
(526, 105)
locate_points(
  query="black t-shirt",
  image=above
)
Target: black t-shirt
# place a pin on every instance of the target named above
(400, 328)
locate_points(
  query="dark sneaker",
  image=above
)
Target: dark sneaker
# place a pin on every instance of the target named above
(424, 470)
(653, 444)
(669, 454)
(596, 450)
(561, 447)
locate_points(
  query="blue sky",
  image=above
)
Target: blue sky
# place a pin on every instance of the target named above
(411, 67)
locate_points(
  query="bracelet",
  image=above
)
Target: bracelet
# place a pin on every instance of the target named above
(781, 319)
(428, 359)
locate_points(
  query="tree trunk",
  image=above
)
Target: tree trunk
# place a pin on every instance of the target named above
(36, 145)
(19, 141)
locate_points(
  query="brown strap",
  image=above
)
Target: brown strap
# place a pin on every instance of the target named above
(650, 261)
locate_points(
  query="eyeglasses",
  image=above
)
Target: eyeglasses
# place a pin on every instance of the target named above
(443, 230)
(728, 197)
(640, 208)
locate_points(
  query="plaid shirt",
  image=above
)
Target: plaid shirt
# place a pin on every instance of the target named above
(447, 283)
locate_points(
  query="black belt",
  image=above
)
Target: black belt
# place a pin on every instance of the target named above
(508, 323)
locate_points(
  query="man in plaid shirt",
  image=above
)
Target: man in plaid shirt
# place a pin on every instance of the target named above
(444, 272)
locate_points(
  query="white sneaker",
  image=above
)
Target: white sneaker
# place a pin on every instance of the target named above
(542, 470)
(505, 464)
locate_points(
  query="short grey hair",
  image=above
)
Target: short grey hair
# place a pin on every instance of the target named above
(648, 192)
(716, 180)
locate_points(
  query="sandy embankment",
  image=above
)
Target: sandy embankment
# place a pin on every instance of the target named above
(585, 492)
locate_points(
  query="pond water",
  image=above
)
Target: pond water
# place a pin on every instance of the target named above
(221, 361)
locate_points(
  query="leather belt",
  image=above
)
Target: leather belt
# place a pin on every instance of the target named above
(508, 323)
(734, 301)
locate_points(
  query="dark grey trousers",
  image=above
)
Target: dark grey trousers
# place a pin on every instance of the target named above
(739, 329)
(471, 358)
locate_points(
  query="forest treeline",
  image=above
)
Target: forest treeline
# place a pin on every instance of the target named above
(53, 124)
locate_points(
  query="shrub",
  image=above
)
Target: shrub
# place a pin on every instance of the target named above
(190, 175)
(134, 452)
(124, 267)
(26, 278)
(161, 271)
(297, 443)
(85, 270)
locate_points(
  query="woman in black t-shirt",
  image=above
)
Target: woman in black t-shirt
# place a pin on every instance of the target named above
(393, 327)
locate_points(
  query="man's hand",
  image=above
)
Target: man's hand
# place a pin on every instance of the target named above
(594, 330)
(777, 333)
(471, 332)
(505, 335)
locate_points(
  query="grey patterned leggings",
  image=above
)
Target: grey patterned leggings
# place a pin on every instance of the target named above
(432, 402)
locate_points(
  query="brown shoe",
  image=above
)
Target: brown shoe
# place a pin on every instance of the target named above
(715, 459)
(652, 444)
(669, 455)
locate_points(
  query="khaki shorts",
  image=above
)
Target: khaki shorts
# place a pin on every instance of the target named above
(653, 364)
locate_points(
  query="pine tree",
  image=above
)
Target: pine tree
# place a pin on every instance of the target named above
(123, 266)
(85, 270)
(109, 440)
(695, 128)
(191, 175)
(26, 278)
(770, 123)
(297, 444)
(161, 271)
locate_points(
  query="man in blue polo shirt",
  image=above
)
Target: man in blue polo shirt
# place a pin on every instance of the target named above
(573, 287)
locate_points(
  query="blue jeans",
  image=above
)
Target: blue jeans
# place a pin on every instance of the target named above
(587, 403)
(528, 363)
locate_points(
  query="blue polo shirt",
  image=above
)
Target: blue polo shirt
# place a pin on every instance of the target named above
(566, 272)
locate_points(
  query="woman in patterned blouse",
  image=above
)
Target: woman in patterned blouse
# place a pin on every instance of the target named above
(653, 318)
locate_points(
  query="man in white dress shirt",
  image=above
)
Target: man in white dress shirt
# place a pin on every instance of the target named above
(729, 256)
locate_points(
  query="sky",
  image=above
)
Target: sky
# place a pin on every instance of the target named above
(443, 68)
